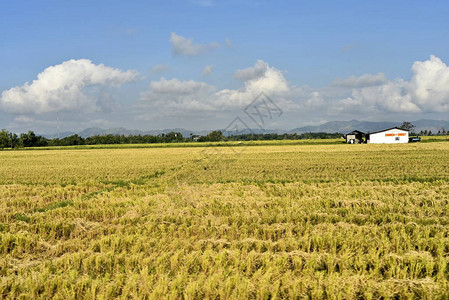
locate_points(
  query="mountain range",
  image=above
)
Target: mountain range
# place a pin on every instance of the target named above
(330, 127)
(366, 126)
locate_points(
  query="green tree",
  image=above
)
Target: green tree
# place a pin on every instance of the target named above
(215, 136)
(30, 139)
(173, 137)
(14, 139)
(408, 126)
(5, 141)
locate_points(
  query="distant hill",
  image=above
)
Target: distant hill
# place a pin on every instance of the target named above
(346, 126)
(251, 130)
(365, 126)
(114, 131)
(55, 135)
(433, 125)
(124, 131)
(329, 127)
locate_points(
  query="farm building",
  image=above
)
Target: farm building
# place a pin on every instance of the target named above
(388, 136)
(355, 137)
(393, 135)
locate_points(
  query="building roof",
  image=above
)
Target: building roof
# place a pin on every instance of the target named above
(399, 128)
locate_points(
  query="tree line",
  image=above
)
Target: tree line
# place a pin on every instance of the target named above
(410, 127)
(12, 140)
(30, 139)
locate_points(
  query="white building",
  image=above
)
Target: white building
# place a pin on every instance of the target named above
(393, 135)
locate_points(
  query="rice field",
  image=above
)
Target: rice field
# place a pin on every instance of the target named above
(268, 221)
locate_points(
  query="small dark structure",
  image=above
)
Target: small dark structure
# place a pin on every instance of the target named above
(355, 137)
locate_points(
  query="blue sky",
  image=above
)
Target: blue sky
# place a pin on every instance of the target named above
(178, 62)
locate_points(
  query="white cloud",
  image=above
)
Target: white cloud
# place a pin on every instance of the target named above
(61, 88)
(260, 78)
(258, 70)
(429, 85)
(65, 87)
(180, 96)
(426, 92)
(392, 96)
(208, 70)
(185, 46)
(370, 96)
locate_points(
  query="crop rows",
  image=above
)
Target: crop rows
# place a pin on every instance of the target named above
(272, 221)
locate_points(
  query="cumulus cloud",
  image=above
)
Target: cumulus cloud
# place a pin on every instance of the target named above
(260, 78)
(393, 96)
(427, 91)
(365, 96)
(185, 46)
(370, 96)
(208, 70)
(180, 96)
(62, 88)
(429, 85)
(65, 87)
(258, 70)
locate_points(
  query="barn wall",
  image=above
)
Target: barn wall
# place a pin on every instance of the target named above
(389, 137)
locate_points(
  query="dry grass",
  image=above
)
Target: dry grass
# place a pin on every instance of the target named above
(291, 221)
